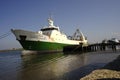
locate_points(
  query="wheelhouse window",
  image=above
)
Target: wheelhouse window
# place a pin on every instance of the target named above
(46, 29)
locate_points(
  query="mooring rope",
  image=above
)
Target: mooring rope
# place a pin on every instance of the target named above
(5, 35)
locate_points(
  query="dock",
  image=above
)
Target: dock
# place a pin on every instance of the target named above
(92, 47)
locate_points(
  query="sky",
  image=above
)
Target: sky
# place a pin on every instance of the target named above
(97, 19)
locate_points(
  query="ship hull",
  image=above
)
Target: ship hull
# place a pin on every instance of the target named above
(42, 46)
(36, 42)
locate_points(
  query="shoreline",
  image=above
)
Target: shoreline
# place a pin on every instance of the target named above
(110, 71)
(11, 50)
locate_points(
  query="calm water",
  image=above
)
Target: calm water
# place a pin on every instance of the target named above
(50, 66)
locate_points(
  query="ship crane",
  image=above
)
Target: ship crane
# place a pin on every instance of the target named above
(78, 35)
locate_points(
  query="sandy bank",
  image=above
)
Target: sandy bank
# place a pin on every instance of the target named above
(111, 71)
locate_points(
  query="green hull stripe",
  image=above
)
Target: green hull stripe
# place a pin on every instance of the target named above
(42, 46)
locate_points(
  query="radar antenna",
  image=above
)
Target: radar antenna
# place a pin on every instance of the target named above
(50, 21)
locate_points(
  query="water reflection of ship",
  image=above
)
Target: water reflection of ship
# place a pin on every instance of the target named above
(34, 59)
(53, 66)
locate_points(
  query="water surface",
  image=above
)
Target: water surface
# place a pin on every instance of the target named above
(51, 66)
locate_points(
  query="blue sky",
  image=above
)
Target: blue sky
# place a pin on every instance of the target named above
(97, 19)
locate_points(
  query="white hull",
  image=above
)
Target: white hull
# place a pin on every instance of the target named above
(36, 36)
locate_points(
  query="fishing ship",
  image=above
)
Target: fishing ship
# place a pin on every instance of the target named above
(48, 39)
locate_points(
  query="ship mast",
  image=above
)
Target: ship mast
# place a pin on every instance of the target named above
(50, 22)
